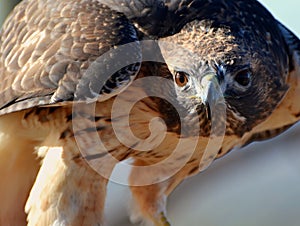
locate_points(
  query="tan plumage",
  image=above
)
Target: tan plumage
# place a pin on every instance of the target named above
(56, 101)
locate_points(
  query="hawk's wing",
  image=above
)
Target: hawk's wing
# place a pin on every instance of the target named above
(54, 51)
(59, 51)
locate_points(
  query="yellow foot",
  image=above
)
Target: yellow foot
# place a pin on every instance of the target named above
(162, 220)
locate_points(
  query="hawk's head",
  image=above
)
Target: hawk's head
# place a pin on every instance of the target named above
(211, 64)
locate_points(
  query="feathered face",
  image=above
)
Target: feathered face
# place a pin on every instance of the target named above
(215, 66)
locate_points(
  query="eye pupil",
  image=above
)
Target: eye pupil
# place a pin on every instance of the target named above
(243, 78)
(181, 79)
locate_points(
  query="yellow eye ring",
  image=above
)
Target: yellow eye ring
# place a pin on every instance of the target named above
(181, 78)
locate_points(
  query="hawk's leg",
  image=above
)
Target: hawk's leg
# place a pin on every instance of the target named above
(149, 201)
(67, 191)
(18, 166)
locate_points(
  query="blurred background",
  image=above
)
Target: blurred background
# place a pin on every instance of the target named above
(255, 186)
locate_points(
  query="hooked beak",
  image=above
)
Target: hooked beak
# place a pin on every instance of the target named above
(210, 93)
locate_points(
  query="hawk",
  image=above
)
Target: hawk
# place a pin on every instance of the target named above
(169, 84)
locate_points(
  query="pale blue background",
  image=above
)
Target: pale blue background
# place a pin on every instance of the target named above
(287, 11)
(5, 5)
(256, 186)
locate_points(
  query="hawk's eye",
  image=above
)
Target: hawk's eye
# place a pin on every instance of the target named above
(181, 78)
(243, 78)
